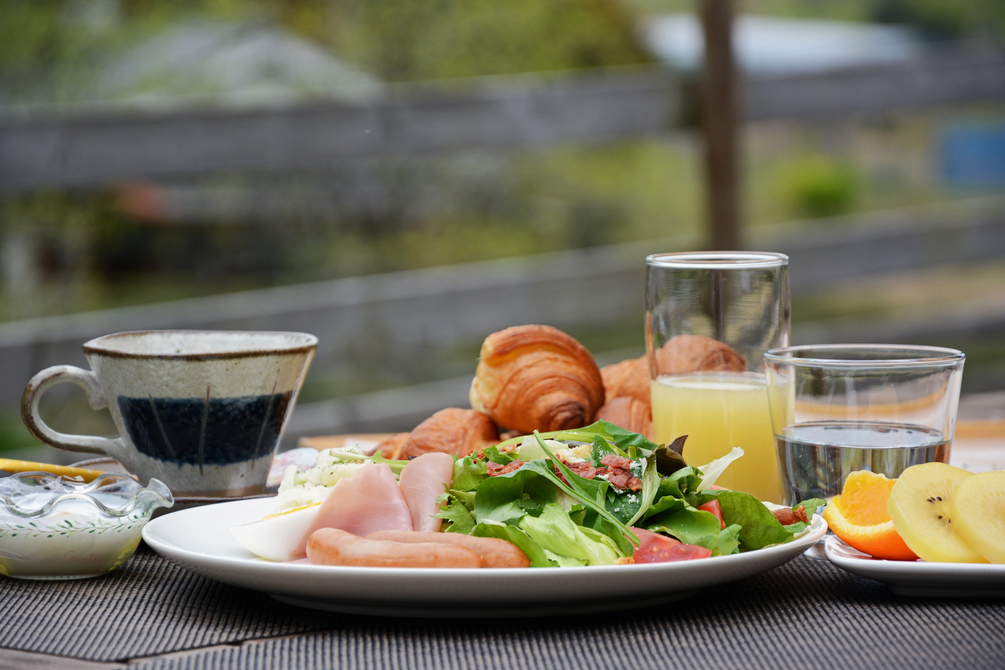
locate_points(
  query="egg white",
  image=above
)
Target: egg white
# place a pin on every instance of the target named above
(277, 535)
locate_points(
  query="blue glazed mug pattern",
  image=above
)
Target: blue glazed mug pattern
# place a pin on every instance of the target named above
(203, 411)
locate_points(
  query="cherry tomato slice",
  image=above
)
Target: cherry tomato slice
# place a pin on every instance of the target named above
(656, 548)
(715, 508)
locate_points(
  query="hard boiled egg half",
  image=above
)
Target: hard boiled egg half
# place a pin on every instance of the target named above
(277, 536)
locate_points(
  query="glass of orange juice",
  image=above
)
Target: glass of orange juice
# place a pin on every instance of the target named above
(710, 317)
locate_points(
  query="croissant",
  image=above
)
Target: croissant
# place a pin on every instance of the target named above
(695, 353)
(536, 378)
(628, 378)
(680, 355)
(392, 446)
(629, 413)
(452, 431)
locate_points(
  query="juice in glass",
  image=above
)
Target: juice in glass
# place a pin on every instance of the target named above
(719, 411)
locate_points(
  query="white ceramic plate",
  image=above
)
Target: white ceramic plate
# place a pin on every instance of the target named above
(199, 539)
(918, 578)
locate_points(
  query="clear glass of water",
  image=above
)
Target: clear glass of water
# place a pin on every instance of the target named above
(710, 317)
(836, 409)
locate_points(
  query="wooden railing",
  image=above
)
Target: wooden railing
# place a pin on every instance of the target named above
(404, 323)
(52, 148)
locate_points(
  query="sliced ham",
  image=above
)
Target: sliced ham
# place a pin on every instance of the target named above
(422, 481)
(368, 501)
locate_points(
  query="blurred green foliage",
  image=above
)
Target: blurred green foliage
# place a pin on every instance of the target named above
(13, 434)
(435, 39)
(818, 185)
(56, 43)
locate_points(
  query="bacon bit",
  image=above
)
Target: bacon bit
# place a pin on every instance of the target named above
(623, 479)
(584, 469)
(616, 461)
(789, 516)
(496, 469)
(561, 475)
(625, 560)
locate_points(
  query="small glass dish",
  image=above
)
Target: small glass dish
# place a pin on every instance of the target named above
(55, 528)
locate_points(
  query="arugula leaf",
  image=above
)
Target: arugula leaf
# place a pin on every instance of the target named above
(590, 492)
(506, 498)
(624, 505)
(601, 448)
(607, 431)
(626, 439)
(650, 486)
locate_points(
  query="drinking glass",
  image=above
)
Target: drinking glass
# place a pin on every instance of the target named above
(710, 317)
(840, 408)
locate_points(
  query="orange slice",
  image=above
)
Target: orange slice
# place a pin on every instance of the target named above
(858, 516)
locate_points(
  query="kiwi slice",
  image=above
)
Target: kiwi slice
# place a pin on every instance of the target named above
(919, 505)
(978, 513)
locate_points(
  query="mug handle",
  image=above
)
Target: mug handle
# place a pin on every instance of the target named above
(85, 379)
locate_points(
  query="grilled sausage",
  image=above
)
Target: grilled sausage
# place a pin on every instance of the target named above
(330, 546)
(494, 553)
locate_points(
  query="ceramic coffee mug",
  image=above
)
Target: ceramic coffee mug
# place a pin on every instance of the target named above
(203, 411)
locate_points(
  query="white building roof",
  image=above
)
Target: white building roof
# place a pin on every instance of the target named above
(775, 45)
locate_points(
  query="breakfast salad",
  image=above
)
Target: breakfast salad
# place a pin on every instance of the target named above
(553, 466)
(600, 495)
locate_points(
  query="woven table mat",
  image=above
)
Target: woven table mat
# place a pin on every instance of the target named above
(806, 613)
(149, 606)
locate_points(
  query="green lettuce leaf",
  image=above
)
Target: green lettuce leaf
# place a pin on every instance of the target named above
(556, 532)
(535, 552)
(458, 517)
(689, 525)
(506, 498)
(468, 473)
(591, 493)
(729, 541)
(760, 528)
(601, 447)
(711, 471)
(493, 454)
(625, 439)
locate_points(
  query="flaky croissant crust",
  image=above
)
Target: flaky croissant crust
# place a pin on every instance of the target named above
(696, 353)
(453, 431)
(680, 355)
(629, 413)
(536, 378)
(627, 378)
